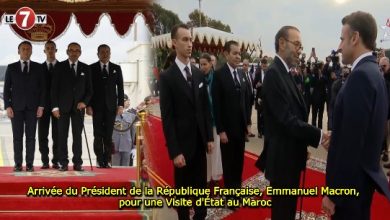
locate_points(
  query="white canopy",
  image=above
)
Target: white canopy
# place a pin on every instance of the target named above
(205, 36)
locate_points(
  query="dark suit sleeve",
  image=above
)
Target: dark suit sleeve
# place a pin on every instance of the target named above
(277, 100)
(217, 95)
(167, 116)
(357, 104)
(7, 87)
(43, 86)
(207, 112)
(88, 86)
(119, 84)
(55, 86)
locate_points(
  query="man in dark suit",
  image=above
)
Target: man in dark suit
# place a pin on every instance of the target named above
(359, 120)
(249, 96)
(186, 118)
(24, 100)
(230, 115)
(71, 91)
(106, 103)
(318, 97)
(257, 84)
(287, 130)
(44, 122)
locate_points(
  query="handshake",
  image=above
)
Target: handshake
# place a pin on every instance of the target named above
(325, 139)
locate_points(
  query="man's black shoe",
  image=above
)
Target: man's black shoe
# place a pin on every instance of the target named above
(63, 168)
(56, 166)
(108, 165)
(100, 165)
(29, 168)
(18, 168)
(78, 168)
(45, 166)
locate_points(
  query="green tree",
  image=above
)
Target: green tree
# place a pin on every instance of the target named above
(195, 15)
(165, 19)
(194, 18)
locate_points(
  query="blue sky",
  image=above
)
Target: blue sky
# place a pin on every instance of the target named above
(105, 33)
(318, 20)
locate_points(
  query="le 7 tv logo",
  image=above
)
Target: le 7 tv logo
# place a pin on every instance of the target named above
(25, 18)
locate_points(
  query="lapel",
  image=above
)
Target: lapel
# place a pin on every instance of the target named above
(291, 84)
(230, 77)
(182, 82)
(196, 78)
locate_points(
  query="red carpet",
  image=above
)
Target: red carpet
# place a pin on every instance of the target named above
(380, 208)
(15, 204)
(160, 170)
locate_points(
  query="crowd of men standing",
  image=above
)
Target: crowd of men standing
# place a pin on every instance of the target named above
(60, 92)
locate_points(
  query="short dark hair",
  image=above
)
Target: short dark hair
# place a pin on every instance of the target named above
(205, 56)
(101, 46)
(24, 42)
(176, 28)
(282, 33)
(51, 42)
(365, 24)
(228, 45)
(74, 43)
(264, 61)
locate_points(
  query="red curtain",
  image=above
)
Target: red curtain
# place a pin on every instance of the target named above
(58, 22)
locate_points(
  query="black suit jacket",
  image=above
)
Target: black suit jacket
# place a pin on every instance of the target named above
(67, 89)
(229, 104)
(23, 91)
(285, 115)
(319, 89)
(48, 78)
(110, 93)
(359, 120)
(184, 111)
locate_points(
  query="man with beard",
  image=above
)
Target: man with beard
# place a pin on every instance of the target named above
(287, 130)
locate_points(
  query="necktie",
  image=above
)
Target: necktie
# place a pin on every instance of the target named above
(189, 76)
(25, 67)
(236, 82)
(73, 70)
(105, 72)
(51, 67)
(249, 80)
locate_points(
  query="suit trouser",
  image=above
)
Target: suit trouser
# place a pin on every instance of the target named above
(43, 132)
(233, 162)
(77, 119)
(260, 120)
(24, 121)
(318, 109)
(121, 159)
(357, 208)
(103, 125)
(193, 174)
(284, 207)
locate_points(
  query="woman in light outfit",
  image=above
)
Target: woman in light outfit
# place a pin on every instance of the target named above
(214, 162)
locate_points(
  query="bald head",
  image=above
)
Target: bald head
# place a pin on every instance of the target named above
(384, 64)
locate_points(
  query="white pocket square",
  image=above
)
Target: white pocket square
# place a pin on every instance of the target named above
(82, 74)
(200, 85)
(114, 71)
